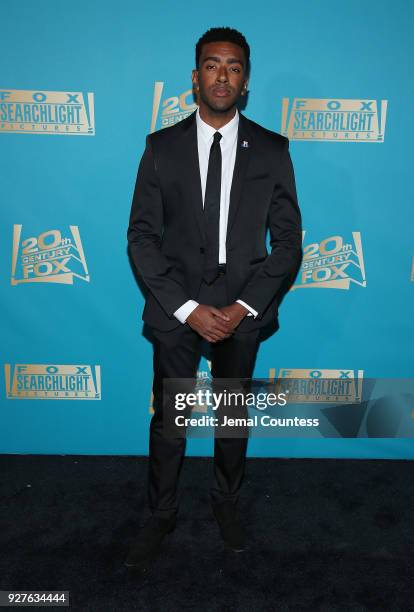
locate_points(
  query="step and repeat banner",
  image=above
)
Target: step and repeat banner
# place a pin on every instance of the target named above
(82, 83)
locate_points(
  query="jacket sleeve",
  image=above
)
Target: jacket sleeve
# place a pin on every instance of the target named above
(279, 269)
(145, 235)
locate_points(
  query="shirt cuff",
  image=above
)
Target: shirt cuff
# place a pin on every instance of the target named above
(252, 311)
(185, 310)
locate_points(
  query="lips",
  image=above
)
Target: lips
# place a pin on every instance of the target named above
(221, 92)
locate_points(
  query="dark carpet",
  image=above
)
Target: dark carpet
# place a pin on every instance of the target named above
(326, 534)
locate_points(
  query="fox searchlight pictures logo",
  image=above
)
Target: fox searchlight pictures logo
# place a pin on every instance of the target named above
(48, 257)
(173, 109)
(50, 381)
(69, 113)
(319, 386)
(338, 120)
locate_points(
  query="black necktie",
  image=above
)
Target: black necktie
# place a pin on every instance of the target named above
(212, 211)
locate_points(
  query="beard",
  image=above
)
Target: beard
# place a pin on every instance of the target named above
(218, 105)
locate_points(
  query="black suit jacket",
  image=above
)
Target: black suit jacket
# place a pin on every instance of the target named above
(166, 233)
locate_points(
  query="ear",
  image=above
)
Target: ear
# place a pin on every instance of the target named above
(244, 89)
(194, 78)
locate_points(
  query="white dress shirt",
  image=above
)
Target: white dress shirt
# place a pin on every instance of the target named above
(228, 145)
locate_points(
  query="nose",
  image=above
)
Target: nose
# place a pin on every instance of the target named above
(222, 76)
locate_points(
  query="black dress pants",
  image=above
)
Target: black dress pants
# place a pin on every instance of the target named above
(177, 355)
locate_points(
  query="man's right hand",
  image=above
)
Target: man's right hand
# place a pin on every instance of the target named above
(210, 323)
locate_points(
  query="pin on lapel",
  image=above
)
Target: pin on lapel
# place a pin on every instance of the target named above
(245, 144)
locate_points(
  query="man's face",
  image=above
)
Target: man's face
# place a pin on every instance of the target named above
(221, 77)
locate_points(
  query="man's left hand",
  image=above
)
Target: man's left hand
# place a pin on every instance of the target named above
(236, 312)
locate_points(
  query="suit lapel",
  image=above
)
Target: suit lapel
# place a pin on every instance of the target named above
(244, 147)
(189, 155)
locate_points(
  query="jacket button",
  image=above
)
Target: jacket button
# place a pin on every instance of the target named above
(201, 250)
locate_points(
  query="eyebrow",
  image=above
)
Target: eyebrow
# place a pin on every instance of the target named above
(230, 60)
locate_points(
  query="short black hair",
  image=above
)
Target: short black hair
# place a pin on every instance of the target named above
(223, 35)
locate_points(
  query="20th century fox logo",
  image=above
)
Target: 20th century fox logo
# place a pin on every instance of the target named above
(339, 120)
(172, 109)
(51, 381)
(48, 257)
(332, 263)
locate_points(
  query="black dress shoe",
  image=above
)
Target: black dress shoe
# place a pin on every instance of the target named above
(230, 528)
(148, 542)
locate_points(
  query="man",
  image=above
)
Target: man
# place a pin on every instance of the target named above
(206, 191)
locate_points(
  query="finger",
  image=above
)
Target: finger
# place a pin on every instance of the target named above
(219, 314)
(219, 335)
(219, 327)
(216, 334)
(210, 338)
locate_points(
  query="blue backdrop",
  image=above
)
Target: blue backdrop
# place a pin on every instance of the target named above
(82, 83)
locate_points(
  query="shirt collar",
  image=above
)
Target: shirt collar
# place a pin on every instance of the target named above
(228, 131)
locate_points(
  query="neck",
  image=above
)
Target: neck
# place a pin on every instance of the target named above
(215, 119)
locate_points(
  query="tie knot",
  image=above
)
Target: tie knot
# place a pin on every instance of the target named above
(217, 137)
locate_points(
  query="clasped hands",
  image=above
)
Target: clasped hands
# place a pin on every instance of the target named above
(216, 324)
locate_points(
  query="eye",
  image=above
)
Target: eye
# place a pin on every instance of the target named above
(210, 66)
(236, 69)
